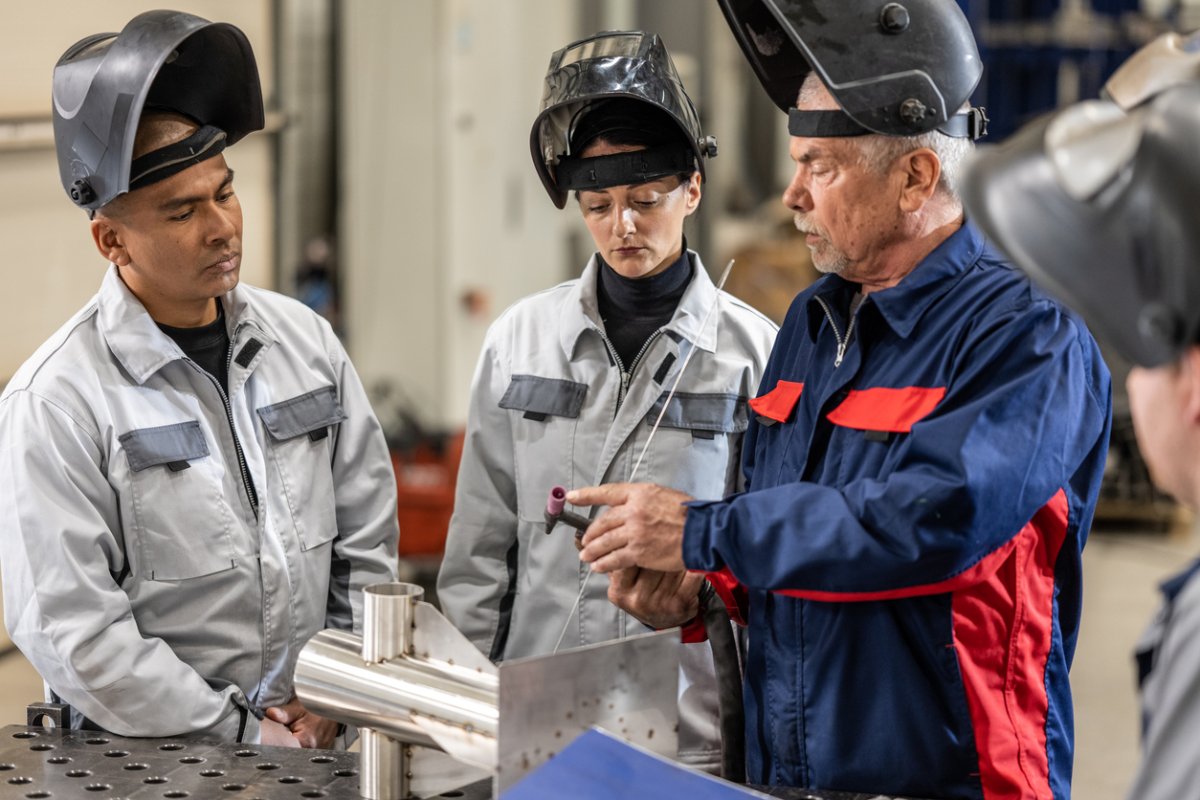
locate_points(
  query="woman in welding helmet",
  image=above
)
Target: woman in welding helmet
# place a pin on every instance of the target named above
(572, 380)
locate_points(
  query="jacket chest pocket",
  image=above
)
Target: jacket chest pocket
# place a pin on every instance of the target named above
(298, 432)
(545, 417)
(696, 447)
(182, 521)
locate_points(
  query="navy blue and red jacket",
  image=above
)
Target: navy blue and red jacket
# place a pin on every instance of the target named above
(907, 552)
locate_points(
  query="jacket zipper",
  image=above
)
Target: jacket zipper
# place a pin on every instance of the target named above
(842, 344)
(237, 445)
(626, 377)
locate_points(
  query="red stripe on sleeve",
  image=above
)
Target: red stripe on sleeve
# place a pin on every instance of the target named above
(884, 409)
(1003, 631)
(778, 403)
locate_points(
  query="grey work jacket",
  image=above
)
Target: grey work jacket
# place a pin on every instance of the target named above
(1168, 660)
(550, 406)
(139, 579)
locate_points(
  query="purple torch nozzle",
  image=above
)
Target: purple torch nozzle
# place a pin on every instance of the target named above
(556, 501)
(556, 512)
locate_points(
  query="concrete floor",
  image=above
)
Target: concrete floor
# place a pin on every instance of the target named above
(1122, 572)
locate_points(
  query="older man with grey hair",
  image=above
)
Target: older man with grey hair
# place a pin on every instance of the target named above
(929, 441)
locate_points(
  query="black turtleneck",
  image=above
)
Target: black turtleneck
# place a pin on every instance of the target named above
(207, 345)
(632, 309)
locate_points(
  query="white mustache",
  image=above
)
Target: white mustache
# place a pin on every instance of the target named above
(808, 228)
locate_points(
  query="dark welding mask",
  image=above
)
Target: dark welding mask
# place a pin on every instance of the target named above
(164, 60)
(1098, 206)
(581, 78)
(895, 68)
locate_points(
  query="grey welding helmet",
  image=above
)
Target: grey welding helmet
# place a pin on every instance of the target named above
(1099, 207)
(584, 75)
(895, 68)
(163, 60)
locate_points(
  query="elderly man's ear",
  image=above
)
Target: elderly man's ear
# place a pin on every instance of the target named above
(108, 241)
(922, 170)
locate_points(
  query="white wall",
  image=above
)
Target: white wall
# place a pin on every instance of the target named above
(50, 267)
(438, 192)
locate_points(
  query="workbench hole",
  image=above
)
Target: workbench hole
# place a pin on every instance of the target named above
(7, 767)
(266, 765)
(41, 747)
(345, 773)
(115, 753)
(40, 795)
(211, 773)
(24, 735)
(98, 740)
(234, 787)
(313, 793)
(291, 779)
(134, 766)
(322, 759)
(174, 794)
(98, 787)
(59, 760)
(79, 773)
(191, 760)
(451, 794)
(20, 781)
(169, 746)
(246, 754)
(154, 779)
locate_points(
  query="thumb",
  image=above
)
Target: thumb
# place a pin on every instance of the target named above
(278, 714)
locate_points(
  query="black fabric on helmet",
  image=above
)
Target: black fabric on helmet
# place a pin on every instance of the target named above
(164, 162)
(970, 124)
(896, 68)
(161, 59)
(628, 65)
(620, 169)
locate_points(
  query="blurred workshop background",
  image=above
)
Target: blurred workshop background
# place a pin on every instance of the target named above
(393, 191)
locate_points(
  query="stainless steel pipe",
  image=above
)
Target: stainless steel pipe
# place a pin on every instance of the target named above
(384, 767)
(333, 680)
(388, 619)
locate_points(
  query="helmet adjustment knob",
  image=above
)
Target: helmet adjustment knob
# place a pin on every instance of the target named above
(893, 18)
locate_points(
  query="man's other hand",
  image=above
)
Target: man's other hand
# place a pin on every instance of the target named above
(305, 727)
(275, 734)
(658, 599)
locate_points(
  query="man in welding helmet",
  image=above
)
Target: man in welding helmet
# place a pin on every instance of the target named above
(925, 450)
(1107, 222)
(191, 480)
(572, 380)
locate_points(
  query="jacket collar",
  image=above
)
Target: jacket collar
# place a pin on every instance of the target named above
(581, 309)
(140, 345)
(903, 305)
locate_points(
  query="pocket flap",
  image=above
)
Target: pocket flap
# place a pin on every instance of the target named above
(541, 397)
(777, 405)
(715, 413)
(166, 444)
(886, 409)
(308, 413)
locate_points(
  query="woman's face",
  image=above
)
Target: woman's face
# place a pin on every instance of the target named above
(638, 229)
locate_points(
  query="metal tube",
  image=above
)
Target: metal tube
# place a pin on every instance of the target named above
(384, 767)
(388, 619)
(333, 681)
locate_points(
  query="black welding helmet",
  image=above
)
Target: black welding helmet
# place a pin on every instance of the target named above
(586, 75)
(1099, 206)
(164, 60)
(895, 68)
